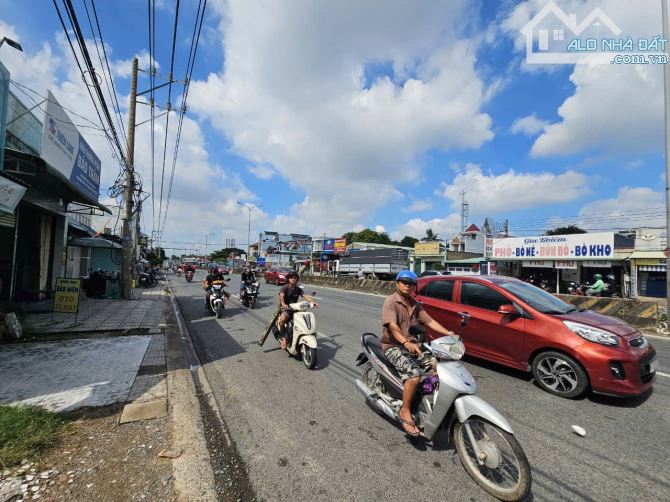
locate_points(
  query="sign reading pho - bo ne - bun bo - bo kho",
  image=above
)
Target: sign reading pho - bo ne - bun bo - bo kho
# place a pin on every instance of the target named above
(556, 247)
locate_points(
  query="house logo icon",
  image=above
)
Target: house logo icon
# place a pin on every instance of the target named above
(551, 30)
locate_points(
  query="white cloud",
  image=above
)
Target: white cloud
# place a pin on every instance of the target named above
(632, 207)
(511, 190)
(293, 94)
(614, 108)
(262, 172)
(418, 205)
(200, 187)
(529, 125)
(416, 227)
(380, 229)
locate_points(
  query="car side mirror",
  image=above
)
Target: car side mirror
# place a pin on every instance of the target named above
(508, 309)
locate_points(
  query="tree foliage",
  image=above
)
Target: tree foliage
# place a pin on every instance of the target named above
(569, 229)
(430, 235)
(224, 254)
(368, 235)
(156, 256)
(408, 241)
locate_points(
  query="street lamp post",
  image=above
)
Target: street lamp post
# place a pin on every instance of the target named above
(11, 43)
(206, 237)
(249, 207)
(666, 88)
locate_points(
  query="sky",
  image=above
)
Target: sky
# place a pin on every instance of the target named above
(336, 116)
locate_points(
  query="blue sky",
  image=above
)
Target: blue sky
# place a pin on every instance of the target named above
(340, 116)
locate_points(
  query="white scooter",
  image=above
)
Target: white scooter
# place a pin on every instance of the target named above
(301, 330)
(484, 439)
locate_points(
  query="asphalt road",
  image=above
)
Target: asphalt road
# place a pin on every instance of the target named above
(309, 435)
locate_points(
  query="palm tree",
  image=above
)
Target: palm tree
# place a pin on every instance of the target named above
(430, 235)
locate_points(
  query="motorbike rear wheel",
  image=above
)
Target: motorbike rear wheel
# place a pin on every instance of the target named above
(505, 473)
(308, 356)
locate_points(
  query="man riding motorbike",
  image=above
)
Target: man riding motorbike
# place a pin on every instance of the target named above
(597, 287)
(214, 275)
(248, 276)
(290, 293)
(399, 313)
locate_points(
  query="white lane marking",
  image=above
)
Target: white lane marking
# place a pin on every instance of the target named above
(663, 374)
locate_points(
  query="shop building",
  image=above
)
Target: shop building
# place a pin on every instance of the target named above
(556, 261)
(649, 262)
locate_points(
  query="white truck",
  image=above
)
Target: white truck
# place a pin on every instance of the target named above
(380, 263)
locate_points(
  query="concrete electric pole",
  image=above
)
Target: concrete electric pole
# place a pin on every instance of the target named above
(128, 244)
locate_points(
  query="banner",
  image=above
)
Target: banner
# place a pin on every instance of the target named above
(329, 246)
(427, 248)
(67, 151)
(340, 246)
(10, 195)
(598, 246)
(67, 295)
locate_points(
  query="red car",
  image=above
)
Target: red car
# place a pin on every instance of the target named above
(514, 323)
(276, 275)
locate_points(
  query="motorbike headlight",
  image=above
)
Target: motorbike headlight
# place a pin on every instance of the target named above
(455, 350)
(593, 334)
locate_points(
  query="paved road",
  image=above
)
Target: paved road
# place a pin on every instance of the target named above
(308, 435)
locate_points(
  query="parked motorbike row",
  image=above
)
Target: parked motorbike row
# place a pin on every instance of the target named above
(446, 403)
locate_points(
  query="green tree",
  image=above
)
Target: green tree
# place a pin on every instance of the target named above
(430, 235)
(408, 241)
(367, 235)
(223, 254)
(156, 256)
(569, 229)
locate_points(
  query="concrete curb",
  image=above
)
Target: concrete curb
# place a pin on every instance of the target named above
(193, 475)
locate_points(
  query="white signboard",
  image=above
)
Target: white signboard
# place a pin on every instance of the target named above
(597, 263)
(538, 264)
(596, 246)
(10, 195)
(68, 152)
(565, 264)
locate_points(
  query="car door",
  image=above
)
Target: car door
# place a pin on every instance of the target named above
(436, 297)
(490, 335)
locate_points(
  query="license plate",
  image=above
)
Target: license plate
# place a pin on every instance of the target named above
(653, 365)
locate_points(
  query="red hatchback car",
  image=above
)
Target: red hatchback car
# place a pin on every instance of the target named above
(276, 275)
(514, 323)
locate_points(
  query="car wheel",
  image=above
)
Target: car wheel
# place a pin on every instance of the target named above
(559, 374)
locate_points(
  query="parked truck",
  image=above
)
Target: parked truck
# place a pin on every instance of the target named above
(380, 263)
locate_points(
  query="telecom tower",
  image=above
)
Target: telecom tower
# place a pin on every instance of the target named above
(465, 212)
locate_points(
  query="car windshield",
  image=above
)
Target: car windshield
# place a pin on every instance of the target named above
(537, 298)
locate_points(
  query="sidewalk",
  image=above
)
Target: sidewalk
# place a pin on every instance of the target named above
(123, 372)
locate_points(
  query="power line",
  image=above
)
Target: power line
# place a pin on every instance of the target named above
(195, 39)
(167, 117)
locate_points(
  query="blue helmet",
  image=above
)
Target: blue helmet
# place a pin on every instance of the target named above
(406, 275)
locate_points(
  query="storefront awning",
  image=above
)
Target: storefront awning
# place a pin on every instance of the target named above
(81, 227)
(93, 242)
(35, 172)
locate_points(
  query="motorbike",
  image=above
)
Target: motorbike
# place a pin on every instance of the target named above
(147, 280)
(576, 289)
(179, 272)
(189, 276)
(249, 293)
(301, 330)
(217, 298)
(484, 439)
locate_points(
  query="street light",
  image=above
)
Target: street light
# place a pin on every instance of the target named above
(11, 43)
(249, 207)
(206, 237)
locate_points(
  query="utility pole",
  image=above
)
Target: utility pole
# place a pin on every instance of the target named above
(126, 272)
(249, 207)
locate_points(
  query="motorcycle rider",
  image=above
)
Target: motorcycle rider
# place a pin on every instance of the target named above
(290, 293)
(400, 311)
(214, 275)
(248, 276)
(597, 287)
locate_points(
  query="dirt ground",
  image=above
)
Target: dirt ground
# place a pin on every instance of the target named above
(98, 459)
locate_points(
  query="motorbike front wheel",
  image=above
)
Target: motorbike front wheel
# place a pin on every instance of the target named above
(505, 473)
(219, 310)
(252, 302)
(308, 356)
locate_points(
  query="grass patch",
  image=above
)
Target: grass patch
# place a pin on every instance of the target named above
(25, 432)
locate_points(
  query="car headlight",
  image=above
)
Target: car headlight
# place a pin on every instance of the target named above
(593, 334)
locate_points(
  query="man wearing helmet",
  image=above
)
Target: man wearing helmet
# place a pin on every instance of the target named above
(248, 276)
(400, 312)
(597, 287)
(290, 293)
(214, 275)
